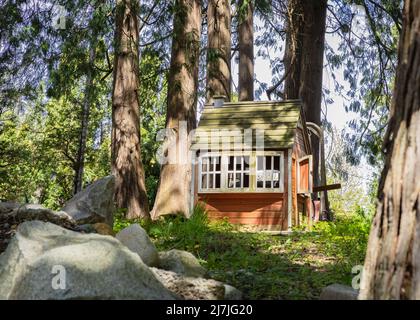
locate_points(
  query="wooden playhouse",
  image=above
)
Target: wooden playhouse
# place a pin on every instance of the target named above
(252, 163)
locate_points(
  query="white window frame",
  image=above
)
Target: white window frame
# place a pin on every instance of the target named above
(225, 161)
(252, 171)
(208, 172)
(281, 170)
(310, 178)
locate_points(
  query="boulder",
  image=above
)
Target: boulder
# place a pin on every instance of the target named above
(193, 288)
(25, 212)
(85, 228)
(45, 261)
(94, 203)
(181, 262)
(29, 212)
(338, 292)
(136, 239)
(231, 293)
(8, 207)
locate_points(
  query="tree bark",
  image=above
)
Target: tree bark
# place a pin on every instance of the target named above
(304, 62)
(130, 192)
(293, 51)
(310, 91)
(218, 49)
(392, 265)
(80, 160)
(246, 53)
(173, 193)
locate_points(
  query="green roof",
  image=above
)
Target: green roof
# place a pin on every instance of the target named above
(220, 127)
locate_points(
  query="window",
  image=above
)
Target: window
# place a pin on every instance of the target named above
(269, 173)
(244, 172)
(238, 172)
(210, 172)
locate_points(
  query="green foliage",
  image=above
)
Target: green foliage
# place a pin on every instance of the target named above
(264, 266)
(41, 146)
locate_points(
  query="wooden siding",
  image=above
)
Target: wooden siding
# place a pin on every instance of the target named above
(246, 208)
(299, 148)
(304, 175)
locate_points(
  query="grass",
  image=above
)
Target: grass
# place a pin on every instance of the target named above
(263, 266)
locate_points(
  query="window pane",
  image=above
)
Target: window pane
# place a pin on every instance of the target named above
(204, 181)
(276, 163)
(211, 164)
(210, 181)
(238, 163)
(246, 180)
(260, 172)
(246, 163)
(230, 165)
(260, 165)
(217, 182)
(230, 180)
(218, 161)
(268, 163)
(238, 180)
(276, 178)
(204, 164)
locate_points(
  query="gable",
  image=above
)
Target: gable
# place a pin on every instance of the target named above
(241, 125)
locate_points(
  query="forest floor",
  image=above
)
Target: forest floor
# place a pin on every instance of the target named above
(265, 266)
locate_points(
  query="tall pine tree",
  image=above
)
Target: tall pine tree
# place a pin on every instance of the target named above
(127, 165)
(175, 176)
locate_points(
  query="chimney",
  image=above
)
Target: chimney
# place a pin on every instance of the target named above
(218, 101)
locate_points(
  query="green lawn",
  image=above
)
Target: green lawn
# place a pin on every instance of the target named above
(266, 266)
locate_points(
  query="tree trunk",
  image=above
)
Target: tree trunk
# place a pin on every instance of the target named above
(173, 194)
(310, 91)
(293, 51)
(304, 62)
(219, 49)
(130, 192)
(246, 52)
(80, 160)
(392, 265)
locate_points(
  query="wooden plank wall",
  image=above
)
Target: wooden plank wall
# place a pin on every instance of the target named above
(299, 145)
(304, 175)
(266, 209)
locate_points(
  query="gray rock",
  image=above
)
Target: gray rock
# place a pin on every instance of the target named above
(29, 212)
(8, 207)
(45, 261)
(136, 239)
(86, 228)
(338, 292)
(26, 212)
(231, 293)
(193, 288)
(181, 262)
(94, 203)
